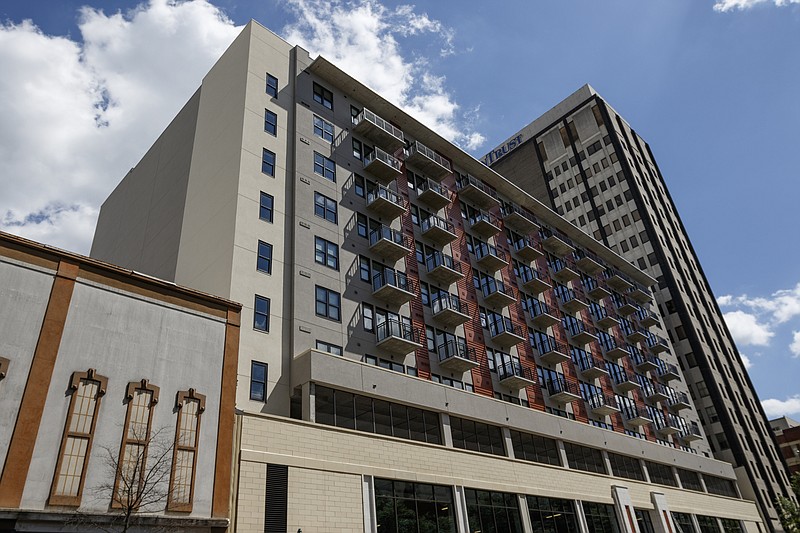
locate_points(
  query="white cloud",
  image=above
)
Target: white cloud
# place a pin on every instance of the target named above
(78, 114)
(748, 364)
(794, 347)
(777, 408)
(741, 5)
(746, 329)
(362, 39)
(783, 305)
(724, 301)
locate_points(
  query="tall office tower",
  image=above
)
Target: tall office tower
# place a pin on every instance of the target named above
(582, 159)
(425, 346)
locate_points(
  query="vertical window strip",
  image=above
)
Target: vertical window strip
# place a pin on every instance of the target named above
(190, 406)
(87, 390)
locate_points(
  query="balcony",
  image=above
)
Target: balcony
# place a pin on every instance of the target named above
(389, 243)
(595, 288)
(590, 367)
(433, 194)
(489, 257)
(668, 372)
(617, 280)
(443, 269)
(457, 357)
(623, 305)
(385, 202)
(519, 219)
(603, 318)
(382, 166)
(541, 316)
(393, 287)
(556, 242)
(450, 311)
(561, 391)
(484, 224)
(636, 416)
(639, 293)
(428, 161)
(643, 362)
(690, 433)
(646, 318)
(514, 376)
(477, 192)
(551, 351)
(438, 230)
(635, 335)
(496, 294)
(621, 380)
(603, 405)
(378, 130)
(654, 391)
(678, 401)
(612, 349)
(562, 271)
(570, 302)
(504, 332)
(579, 333)
(397, 338)
(669, 425)
(657, 344)
(587, 262)
(527, 249)
(532, 279)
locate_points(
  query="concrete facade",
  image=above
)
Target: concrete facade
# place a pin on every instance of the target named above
(584, 161)
(63, 316)
(405, 275)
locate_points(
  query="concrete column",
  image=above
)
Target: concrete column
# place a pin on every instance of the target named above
(462, 521)
(524, 514)
(583, 527)
(645, 471)
(623, 505)
(444, 425)
(607, 462)
(695, 523)
(702, 482)
(562, 452)
(307, 399)
(507, 441)
(663, 522)
(677, 477)
(368, 489)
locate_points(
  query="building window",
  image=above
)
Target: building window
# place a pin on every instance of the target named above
(132, 465)
(323, 129)
(328, 303)
(493, 511)
(272, 85)
(407, 506)
(258, 381)
(369, 317)
(476, 436)
(534, 447)
(661, 474)
(326, 253)
(266, 205)
(332, 349)
(325, 207)
(600, 517)
(261, 314)
(708, 524)
(323, 96)
(625, 466)
(552, 514)
(268, 162)
(270, 122)
(690, 479)
(720, 486)
(324, 167)
(190, 406)
(585, 458)
(86, 390)
(264, 261)
(684, 523)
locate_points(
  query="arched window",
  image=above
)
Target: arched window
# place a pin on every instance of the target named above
(190, 406)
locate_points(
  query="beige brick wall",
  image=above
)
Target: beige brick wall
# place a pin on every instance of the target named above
(250, 499)
(324, 502)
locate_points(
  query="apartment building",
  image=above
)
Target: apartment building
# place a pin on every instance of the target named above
(582, 159)
(117, 395)
(787, 433)
(426, 346)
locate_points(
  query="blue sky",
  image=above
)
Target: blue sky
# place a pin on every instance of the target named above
(710, 84)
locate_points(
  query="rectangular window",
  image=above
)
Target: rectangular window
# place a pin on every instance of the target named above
(323, 96)
(272, 85)
(408, 506)
(332, 349)
(326, 253)
(258, 381)
(493, 511)
(328, 303)
(324, 167)
(369, 317)
(534, 447)
(325, 208)
(261, 313)
(268, 163)
(323, 129)
(626, 466)
(585, 458)
(600, 517)
(476, 436)
(270, 122)
(264, 261)
(132, 465)
(661, 474)
(190, 406)
(552, 515)
(266, 205)
(85, 391)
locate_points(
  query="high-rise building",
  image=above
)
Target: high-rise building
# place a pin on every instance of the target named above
(787, 433)
(584, 161)
(423, 343)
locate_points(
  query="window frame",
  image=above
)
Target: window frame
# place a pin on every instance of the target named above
(325, 207)
(182, 399)
(323, 96)
(325, 167)
(256, 313)
(265, 366)
(268, 162)
(270, 127)
(263, 258)
(329, 250)
(262, 208)
(271, 85)
(321, 129)
(327, 303)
